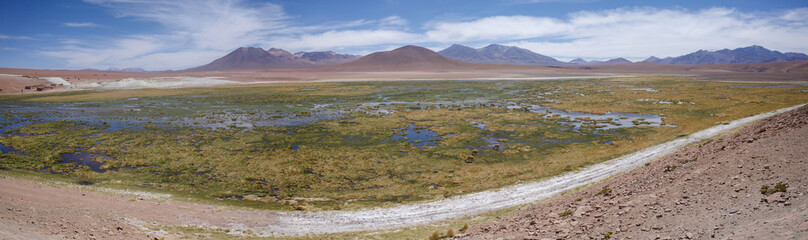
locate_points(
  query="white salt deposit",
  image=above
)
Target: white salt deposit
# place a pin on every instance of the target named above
(157, 82)
(56, 80)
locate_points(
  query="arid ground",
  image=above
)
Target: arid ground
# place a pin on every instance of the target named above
(709, 190)
(12, 80)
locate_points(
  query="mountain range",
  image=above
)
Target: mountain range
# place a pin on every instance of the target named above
(751, 54)
(499, 54)
(414, 57)
(615, 61)
(258, 58)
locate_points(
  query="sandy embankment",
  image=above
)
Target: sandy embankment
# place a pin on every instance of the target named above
(10, 83)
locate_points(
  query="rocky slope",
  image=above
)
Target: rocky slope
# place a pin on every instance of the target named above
(711, 190)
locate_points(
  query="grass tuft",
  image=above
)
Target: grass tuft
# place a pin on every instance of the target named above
(565, 213)
(605, 191)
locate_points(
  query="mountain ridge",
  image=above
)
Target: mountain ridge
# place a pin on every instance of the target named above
(750, 54)
(258, 58)
(499, 54)
(408, 57)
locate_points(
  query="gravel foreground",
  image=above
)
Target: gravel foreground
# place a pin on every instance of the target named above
(717, 195)
(707, 191)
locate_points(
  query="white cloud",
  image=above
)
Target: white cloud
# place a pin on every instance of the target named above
(554, 1)
(634, 33)
(393, 21)
(117, 52)
(191, 30)
(495, 28)
(81, 24)
(9, 37)
(323, 27)
(798, 14)
(71, 42)
(196, 32)
(344, 38)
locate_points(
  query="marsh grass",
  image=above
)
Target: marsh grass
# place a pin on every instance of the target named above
(352, 162)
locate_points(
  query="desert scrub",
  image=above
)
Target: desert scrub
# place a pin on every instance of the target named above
(779, 187)
(605, 191)
(565, 213)
(435, 236)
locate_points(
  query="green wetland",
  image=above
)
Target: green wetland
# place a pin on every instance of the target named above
(348, 145)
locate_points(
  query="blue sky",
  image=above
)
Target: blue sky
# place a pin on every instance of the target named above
(159, 35)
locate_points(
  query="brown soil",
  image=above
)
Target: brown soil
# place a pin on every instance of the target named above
(30, 210)
(13, 84)
(794, 71)
(713, 192)
(415, 63)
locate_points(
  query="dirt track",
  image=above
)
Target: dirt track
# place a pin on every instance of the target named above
(713, 192)
(73, 213)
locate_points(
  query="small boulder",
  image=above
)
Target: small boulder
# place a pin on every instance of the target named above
(777, 197)
(251, 197)
(582, 210)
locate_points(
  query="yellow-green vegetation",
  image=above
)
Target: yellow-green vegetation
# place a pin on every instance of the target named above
(565, 213)
(326, 146)
(779, 187)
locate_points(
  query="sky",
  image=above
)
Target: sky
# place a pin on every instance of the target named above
(178, 34)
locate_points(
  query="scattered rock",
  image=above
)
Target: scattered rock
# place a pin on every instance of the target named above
(777, 197)
(689, 235)
(581, 211)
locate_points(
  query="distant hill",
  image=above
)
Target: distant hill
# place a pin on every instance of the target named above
(578, 61)
(257, 58)
(751, 54)
(113, 69)
(615, 61)
(326, 57)
(127, 70)
(499, 54)
(652, 59)
(404, 58)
